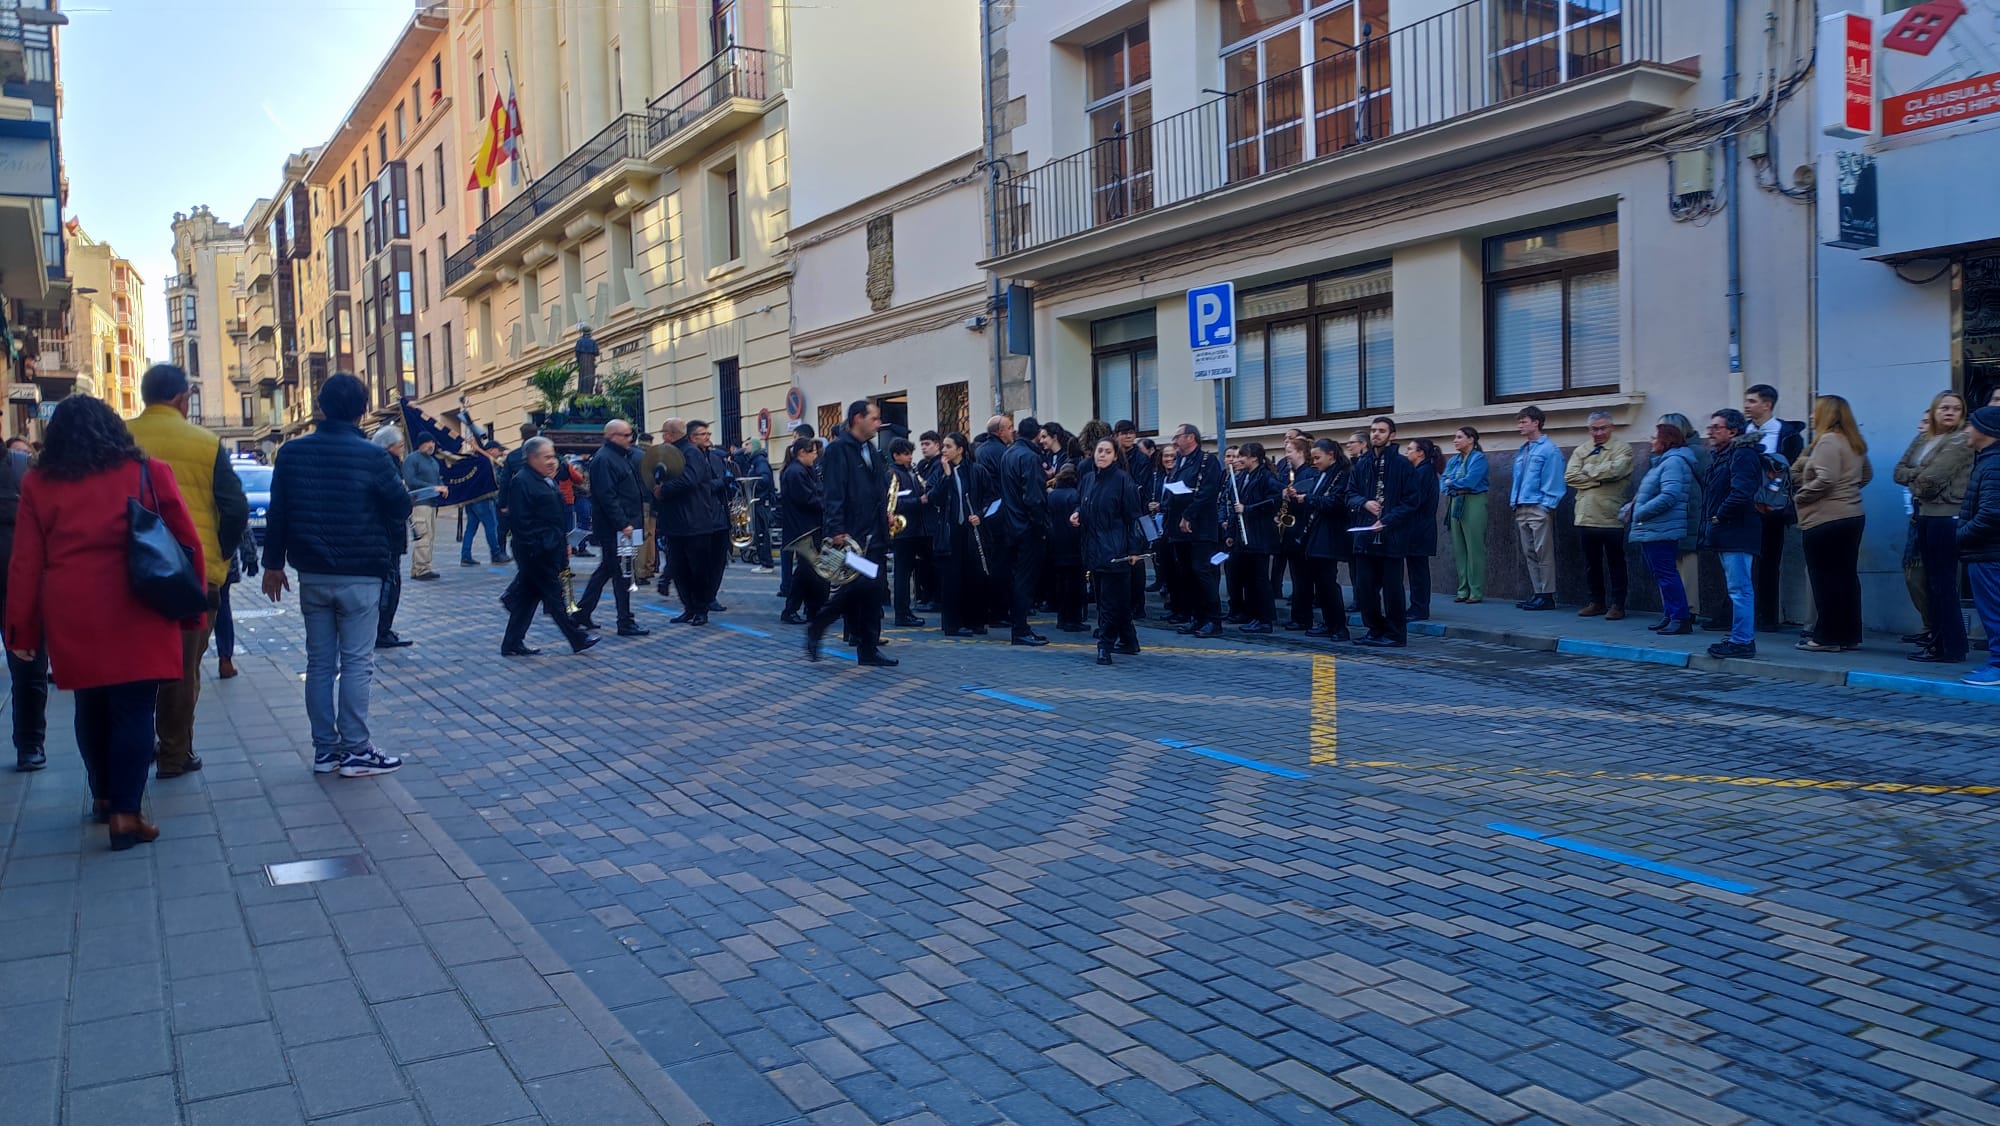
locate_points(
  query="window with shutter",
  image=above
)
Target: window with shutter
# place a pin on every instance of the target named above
(1315, 349)
(1552, 311)
(1125, 369)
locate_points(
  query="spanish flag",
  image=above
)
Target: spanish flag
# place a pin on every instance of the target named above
(496, 148)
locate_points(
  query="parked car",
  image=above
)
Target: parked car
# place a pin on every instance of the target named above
(257, 486)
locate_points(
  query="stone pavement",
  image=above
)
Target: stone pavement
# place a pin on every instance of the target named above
(175, 983)
(1216, 883)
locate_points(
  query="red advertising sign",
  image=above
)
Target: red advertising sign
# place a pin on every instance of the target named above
(1948, 104)
(1860, 88)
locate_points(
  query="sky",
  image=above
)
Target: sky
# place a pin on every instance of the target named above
(173, 103)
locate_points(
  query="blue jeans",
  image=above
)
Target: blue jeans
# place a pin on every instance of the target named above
(1739, 574)
(1663, 556)
(114, 734)
(481, 514)
(1986, 599)
(340, 613)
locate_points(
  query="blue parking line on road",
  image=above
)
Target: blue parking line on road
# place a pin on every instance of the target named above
(1007, 698)
(1234, 760)
(741, 629)
(1921, 686)
(1688, 875)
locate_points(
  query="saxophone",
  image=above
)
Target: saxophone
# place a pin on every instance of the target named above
(896, 523)
(1284, 518)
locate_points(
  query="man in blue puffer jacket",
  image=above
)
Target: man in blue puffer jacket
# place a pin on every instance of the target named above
(1979, 536)
(337, 501)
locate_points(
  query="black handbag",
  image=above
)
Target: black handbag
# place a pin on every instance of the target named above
(161, 568)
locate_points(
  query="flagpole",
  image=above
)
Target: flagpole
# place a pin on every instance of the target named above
(520, 151)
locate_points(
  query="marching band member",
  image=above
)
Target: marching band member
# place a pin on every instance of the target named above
(1024, 512)
(957, 497)
(541, 552)
(1384, 487)
(1108, 513)
(855, 517)
(1323, 524)
(1193, 524)
(1065, 565)
(1168, 558)
(926, 593)
(1138, 463)
(904, 544)
(694, 514)
(1255, 507)
(799, 504)
(1297, 474)
(616, 509)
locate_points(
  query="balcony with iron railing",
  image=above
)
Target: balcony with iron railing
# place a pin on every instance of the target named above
(27, 45)
(722, 95)
(1479, 81)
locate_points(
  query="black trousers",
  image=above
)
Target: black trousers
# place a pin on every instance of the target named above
(1938, 543)
(1000, 580)
(1417, 569)
(1066, 591)
(903, 561)
(1291, 558)
(1170, 558)
(1378, 587)
(1320, 588)
(1114, 609)
(923, 571)
(1770, 564)
(859, 605)
(1260, 603)
(385, 614)
(807, 593)
(608, 571)
(1137, 579)
(1024, 578)
(718, 556)
(114, 734)
(1204, 600)
(1833, 554)
(30, 681)
(1604, 564)
(537, 584)
(688, 561)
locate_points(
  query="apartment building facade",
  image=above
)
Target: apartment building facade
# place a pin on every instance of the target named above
(272, 377)
(1908, 262)
(43, 359)
(888, 206)
(652, 205)
(202, 313)
(110, 299)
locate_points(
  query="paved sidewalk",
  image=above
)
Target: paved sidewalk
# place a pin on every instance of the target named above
(1880, 663)
(175, 983)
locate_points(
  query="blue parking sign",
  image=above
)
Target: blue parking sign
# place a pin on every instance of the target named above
(1212, 330)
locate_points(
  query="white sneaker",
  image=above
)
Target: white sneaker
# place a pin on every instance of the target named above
(370, 761)
(762, 570)
(326, 762)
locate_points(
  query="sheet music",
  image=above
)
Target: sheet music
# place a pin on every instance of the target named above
(863, 564)
(1178, 488)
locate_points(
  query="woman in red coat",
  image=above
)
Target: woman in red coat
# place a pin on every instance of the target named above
(68, 588)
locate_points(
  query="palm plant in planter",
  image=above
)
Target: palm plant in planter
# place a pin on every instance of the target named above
(552, 382)
(625, 392)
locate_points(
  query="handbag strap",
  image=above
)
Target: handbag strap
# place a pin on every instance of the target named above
(146, 486)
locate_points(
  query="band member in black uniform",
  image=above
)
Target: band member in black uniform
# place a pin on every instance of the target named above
(1169, 563)
(1024, 512)
(1065, 561)
(855, 518)
(915, 533)
(616, 508)
(799, 504)
(1297, 474)
(694, 506)
(1139, 466)
(1382, 494)
(957, 498)
(1107, 514)
(1319, 496)
(1193, 525)
(535, 520)
(988, 451)
(1256, 510)
(1423, 454)
(929, 450)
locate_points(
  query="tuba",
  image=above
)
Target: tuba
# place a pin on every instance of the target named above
(826, 561)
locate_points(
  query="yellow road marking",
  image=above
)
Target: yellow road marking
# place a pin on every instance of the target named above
(1702, 779)
(1325, 713)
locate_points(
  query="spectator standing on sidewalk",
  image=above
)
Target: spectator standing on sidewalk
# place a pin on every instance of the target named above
(1601, 473)
(1464, 484)
(1935, 468)
(1979, 536)
(1423, 454)
(1688, 551)
(1785, 440)
(390, 438)
(72, 546)
(1733, 527)
(1537, 493)
(221, 513)
(1660, 517)
(336, 503)
(28, 676)
(1830, 476)
(424, 478)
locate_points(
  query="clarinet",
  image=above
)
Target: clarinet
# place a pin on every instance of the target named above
(1381, 490)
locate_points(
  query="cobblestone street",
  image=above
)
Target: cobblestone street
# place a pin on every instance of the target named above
(1218, 882)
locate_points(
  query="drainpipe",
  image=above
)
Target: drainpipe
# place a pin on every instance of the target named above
(994, 294)
(1731, 197)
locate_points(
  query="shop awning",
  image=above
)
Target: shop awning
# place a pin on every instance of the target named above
(1933, 253)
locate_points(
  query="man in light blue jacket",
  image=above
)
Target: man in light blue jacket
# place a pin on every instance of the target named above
(1537, 492)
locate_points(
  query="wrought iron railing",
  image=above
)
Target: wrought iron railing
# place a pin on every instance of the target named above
(734, 72)
(624, 139)
(1458, 62)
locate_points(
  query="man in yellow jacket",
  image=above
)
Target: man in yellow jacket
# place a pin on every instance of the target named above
(221, 514)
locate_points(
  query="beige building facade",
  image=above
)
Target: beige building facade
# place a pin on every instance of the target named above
(202, 313)
(888, 300)
(110, 300)
(654, 205)
(1439, 212)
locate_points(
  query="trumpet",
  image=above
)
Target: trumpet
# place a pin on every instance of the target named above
(568, 588)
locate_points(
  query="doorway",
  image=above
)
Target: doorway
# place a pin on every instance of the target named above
(1977, 297)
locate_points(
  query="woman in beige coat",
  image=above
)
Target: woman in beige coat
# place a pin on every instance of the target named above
(1829, 478)
(1935, 468)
